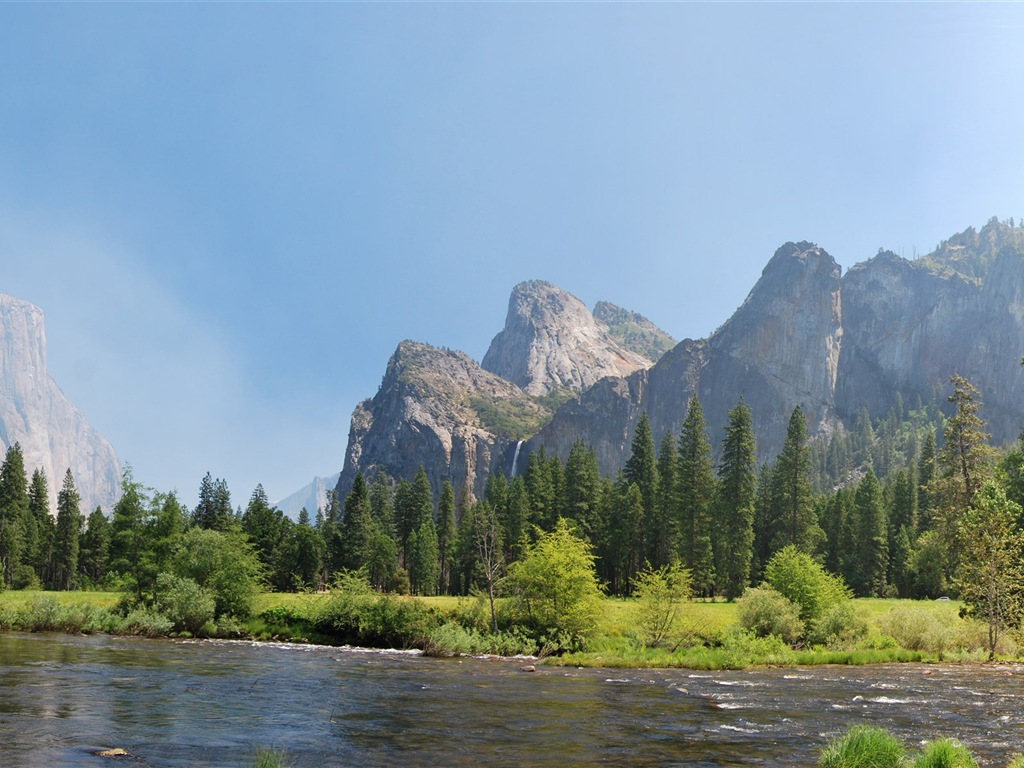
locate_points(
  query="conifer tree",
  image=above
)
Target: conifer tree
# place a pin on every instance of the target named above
(69, 523)
(382, 505)
(641, 467)
(792, 498)
(965, 453)
(695, 485)
(583, 490)
(423, 558)
(13, 512)
(94, 548)
(356, 530)
(415, 505)
(515, 524)
(737, 496)
(41, 557)
(265, 526)
(925, 480)
(764, 527)
(213, 511)
(130, 545)
(543, 480)
(447, 535)
(872, 539)
(662, 530)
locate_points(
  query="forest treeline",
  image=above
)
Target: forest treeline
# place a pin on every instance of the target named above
(879, 505)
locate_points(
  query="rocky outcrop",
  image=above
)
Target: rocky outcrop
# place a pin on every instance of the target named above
(53, 434)
(633, 331)
(910, 325)
(805, 335)
(438, 408)
(779, 349)
(552, 342)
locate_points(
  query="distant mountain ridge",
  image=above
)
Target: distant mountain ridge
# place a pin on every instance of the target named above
(35, 413)
(805, 335)
(310, 497)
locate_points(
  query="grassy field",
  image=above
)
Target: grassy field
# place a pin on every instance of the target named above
(704, 638)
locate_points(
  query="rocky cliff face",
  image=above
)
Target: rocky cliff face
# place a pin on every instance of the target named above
(53, 434)
(438, 408)
(780, 348)
(806, 335)
(910, 325)
(551, 342)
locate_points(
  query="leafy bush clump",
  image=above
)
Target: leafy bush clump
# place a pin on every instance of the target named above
(840, 627)
(146, 622)
(554, 588)
(797, 576)
(764, 612)
(356, 613)
(864, 746)
(188, 606)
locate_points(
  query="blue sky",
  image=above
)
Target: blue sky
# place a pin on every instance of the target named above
(232, 213)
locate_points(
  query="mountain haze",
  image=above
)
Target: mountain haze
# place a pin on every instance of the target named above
(35, 413)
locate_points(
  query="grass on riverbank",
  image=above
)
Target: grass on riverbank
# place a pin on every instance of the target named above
(707, 635)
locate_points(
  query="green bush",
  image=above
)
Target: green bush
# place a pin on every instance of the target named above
(147, 623)
(658, 594)
(797, 576)
(24, 577)
(765, 612)
(185, 603)
(945, 753)
(46, 614)
(356, 613)
(840, 627)
(554, 588)
(919, 629)
(864, 746)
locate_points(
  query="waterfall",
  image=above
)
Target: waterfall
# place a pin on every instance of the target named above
(515, 457)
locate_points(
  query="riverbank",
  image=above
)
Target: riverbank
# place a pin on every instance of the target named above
(707, 634)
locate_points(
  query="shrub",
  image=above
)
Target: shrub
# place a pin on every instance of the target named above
(918, 629)
(765, 612)
(147, 623)
(356, 613)
(840, 627)
(658, 593)
(225, 564)
(797, 576)
(945, 753)
(184, 602)
(24, 577)
(864, 746)
(555, 588)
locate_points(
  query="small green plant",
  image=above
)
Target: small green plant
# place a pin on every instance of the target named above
(864, 746)
(268, 758)
(945, 753)
(659, 593)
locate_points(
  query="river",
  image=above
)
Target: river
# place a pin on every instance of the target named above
(180, 704)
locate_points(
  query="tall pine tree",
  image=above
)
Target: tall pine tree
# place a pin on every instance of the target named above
(737, 495)
(69, 523)
(695, 485)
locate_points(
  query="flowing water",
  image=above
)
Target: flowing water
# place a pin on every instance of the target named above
(212, 703)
